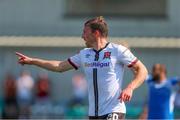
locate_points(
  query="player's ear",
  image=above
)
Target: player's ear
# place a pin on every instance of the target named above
(97, 33)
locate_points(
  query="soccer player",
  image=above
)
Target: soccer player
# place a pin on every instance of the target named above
(103, 64)
(161, 93)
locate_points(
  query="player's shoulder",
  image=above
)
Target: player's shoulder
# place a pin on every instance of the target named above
(84, 50)
(115, 45)
(118, 47)
(173, 80)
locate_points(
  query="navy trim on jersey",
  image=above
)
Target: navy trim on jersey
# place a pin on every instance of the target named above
(97, 51)
(96, 57)
(95, 82)
(132, 63)
(75, 67)
(95, 91)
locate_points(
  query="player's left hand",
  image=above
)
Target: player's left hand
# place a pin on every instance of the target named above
(126, 94)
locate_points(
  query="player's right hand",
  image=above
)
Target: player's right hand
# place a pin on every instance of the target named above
(23, 59)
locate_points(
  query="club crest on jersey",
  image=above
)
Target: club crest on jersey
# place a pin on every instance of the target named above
(107, 55)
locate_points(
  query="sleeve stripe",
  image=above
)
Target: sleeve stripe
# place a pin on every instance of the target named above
(125, 50)
(132, 63)
(75, 67)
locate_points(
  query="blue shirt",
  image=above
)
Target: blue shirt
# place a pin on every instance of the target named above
(161, 98)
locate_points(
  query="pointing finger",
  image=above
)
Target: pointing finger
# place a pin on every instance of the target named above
(20, 55)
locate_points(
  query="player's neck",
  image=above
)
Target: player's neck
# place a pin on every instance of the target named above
(162, 79)
(101, 43)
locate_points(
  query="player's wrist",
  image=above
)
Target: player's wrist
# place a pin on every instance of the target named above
(32, 61)
(130, 87)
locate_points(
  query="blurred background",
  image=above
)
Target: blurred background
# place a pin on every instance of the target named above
(51, 29)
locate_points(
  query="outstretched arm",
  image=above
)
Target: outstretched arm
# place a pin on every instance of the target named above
(140, 74)
(175, 81)
(57, 66)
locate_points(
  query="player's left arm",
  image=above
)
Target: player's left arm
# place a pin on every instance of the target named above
(140, 74)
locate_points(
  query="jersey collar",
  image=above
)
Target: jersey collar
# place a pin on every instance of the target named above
(97, 51)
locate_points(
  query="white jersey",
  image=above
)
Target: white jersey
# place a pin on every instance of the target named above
(104, 71)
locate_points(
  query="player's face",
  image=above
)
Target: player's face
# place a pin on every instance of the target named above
(88, 36)
(156, 72)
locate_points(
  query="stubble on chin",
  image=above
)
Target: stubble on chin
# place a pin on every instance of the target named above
(87, 46)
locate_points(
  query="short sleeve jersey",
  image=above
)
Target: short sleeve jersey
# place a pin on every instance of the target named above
(104, 71)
